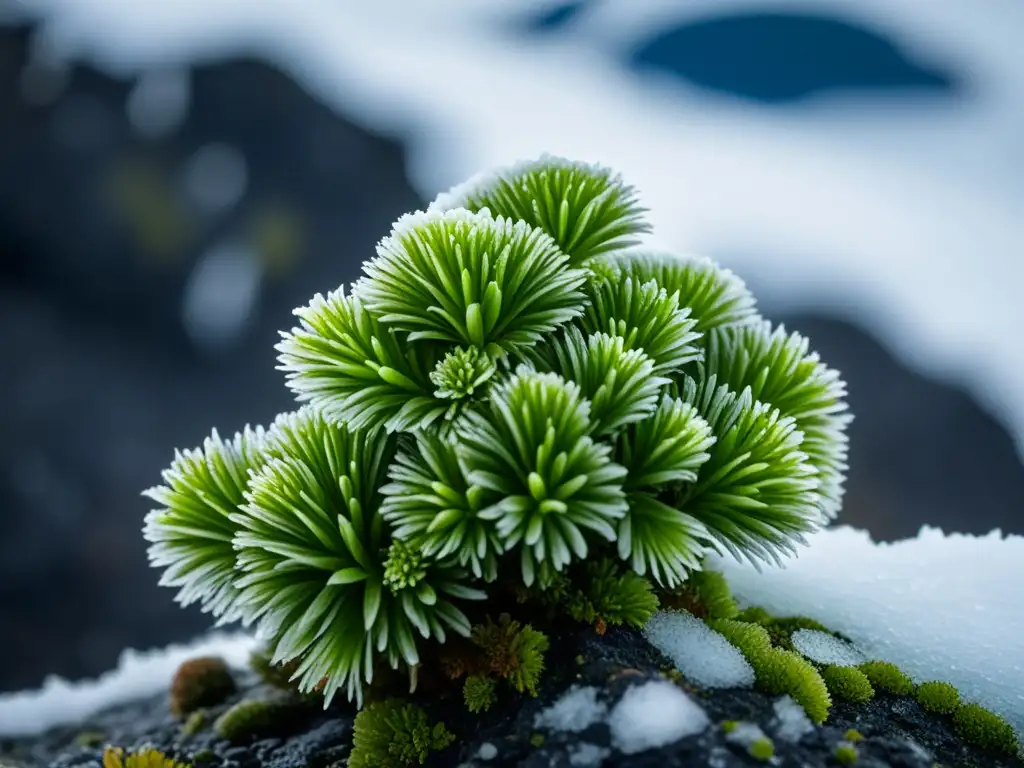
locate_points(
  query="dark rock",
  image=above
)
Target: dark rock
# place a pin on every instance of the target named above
(921, 452)
(896, 731)
(107, 376)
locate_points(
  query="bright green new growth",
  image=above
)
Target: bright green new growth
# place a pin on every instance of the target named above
(509, 396)
(887, 677)
(847, 683)
(478, 692)
(938, 696)
(985, 729)
(392, 733)
(777, 671)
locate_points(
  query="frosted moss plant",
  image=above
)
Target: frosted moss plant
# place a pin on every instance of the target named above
(511, 400)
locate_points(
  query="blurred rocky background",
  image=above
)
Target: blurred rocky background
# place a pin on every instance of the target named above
(154, 236)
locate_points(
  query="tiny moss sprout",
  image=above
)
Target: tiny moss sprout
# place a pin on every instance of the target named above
(762, 749)
(513, 400)
(846, 754)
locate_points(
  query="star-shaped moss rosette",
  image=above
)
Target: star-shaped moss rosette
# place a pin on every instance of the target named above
(509, 390)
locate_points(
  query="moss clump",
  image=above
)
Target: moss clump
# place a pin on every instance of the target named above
(392, 733)
(887, 677)
(846, 754)
(537, 740)
(253, 718)
(89, 739)
(478, 693)
(776, 670)
(847, 683)
(762, 749)
(600, 592)
(853, 736)
(115, 757)
(201, 682)
(728, 726)
(985, 729)
(937, 696)
(705, 594)
(195, 723)
(514, 651)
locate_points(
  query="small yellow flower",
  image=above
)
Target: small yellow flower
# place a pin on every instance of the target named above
(114, 757)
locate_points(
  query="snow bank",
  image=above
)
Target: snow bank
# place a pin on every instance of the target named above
(138, 673)
(941, 607)
(892, 219)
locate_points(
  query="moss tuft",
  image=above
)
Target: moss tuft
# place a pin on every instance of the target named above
(514, 651)
(846, 754)
(762, 749)
(853, 736)
(90, 739)
(887, 677)
(776, 670)
(537, 740)
(392, 733)
(847, 683)
(201, 682)
(253, 718)
(705, 594)
(478, 693)
(985, 729)
(937, 696)
(195, 723)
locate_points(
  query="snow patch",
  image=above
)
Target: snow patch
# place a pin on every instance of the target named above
(575, 711)
(588, 755)
(823, 648)
(791, 722)
(138, 674)
(701, 654)
(941, 607)
(653, 715)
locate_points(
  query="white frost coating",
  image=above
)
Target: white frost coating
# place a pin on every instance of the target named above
(823, 648)
(408, 223)
(701, 654)
(138, 673)
(791, 722)
(576, 710)
(653, 715)
(940, 607)
(485, 182)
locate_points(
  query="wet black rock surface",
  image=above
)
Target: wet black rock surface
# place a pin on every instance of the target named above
(103, 240)
(896, 731)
